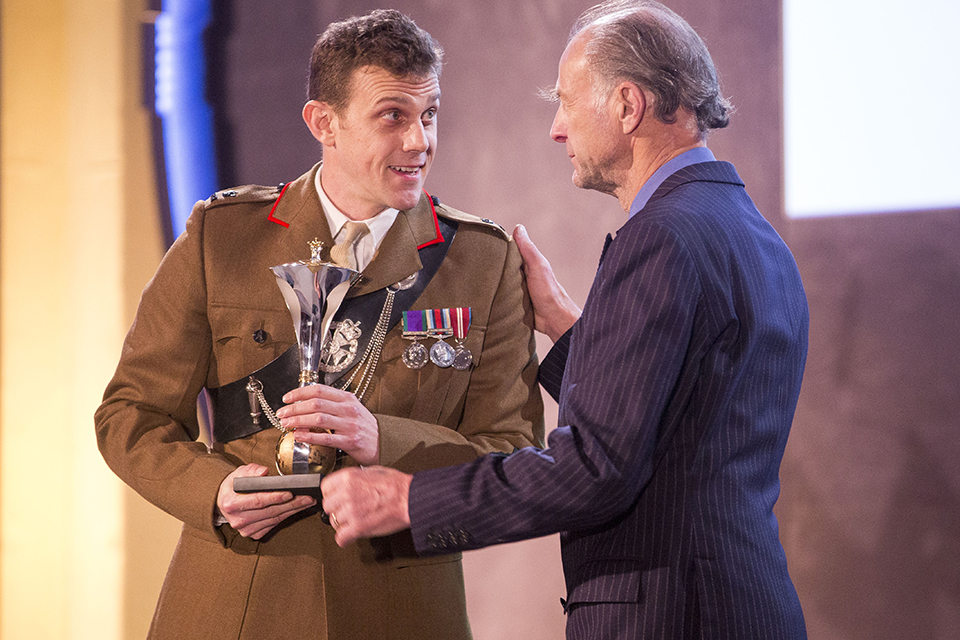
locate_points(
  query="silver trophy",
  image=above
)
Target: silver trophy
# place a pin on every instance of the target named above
(313, 292)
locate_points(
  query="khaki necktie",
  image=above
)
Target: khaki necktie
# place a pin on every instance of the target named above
(342, 253)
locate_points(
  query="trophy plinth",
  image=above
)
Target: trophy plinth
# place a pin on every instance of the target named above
(304, 484)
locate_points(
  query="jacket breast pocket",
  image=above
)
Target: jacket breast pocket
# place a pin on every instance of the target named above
(429, 394)
(246, 339)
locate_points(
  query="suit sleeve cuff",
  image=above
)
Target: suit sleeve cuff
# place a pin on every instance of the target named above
(432, 535)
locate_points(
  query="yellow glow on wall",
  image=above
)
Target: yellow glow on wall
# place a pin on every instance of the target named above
(73, 172)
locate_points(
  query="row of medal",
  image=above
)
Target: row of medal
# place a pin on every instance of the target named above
(437, 324)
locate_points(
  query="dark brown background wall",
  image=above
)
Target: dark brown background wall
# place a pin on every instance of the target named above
(869, 511)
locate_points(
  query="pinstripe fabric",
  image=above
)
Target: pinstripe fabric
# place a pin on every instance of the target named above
(550, 374)
(676, 400)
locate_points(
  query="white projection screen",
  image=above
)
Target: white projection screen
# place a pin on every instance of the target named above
(871, 99)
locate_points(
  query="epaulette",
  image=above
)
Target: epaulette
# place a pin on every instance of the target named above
(455, 214)
(245, 194)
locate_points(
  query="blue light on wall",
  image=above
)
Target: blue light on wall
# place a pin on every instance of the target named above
(188, 142)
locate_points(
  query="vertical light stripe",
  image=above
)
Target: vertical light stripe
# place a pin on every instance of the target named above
(67, 127)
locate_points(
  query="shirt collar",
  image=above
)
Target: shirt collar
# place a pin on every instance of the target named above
(378, 224)
(667, 169)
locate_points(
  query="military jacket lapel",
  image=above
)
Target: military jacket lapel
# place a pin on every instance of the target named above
(398, 256)
(299, 210)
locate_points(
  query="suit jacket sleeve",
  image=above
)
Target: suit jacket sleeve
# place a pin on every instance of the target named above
(627, 354)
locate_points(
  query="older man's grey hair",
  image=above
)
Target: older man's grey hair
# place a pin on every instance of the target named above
(646, 43)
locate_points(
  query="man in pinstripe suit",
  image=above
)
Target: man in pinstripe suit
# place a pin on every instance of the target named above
(677, 384)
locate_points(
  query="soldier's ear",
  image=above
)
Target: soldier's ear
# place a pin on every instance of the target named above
(322, 121)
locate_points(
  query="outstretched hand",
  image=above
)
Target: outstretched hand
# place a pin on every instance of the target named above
(554, 311)
(366, 502)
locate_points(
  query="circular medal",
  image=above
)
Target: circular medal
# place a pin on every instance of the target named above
(441, 354)
(462, 358)
(415, 356)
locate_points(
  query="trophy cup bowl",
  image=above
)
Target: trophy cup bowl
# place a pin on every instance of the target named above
(313, 292)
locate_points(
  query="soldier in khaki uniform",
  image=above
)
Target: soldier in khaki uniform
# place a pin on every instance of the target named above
(264, 565)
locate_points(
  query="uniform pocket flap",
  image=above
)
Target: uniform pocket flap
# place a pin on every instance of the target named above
(246, 339)
(263, 327)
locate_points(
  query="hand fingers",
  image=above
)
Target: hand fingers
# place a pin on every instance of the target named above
(528, 250)
(248, 470)
(343, 423)
(554, 310)
(336, 489)
(367, 502)
(336, 440)
(311, 391)
(329, 412)
(346, 535)
(355, 521)
(255, 514)
(345, 531)
(263, 519)
(256, 524)
(256, 529)
(321, 414)
(256, 501)
(228, 500)
(243, 508)
(361, 441)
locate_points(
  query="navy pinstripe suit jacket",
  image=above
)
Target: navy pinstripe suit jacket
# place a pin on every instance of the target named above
(676, 399)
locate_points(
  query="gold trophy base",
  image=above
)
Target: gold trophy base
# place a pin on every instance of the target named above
(322, 460)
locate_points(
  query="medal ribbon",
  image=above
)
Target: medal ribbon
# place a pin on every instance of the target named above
(438, 322)
(460, 318)
(455, 321)
(414, 323)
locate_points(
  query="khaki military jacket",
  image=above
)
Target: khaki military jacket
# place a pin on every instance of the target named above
(213, 314)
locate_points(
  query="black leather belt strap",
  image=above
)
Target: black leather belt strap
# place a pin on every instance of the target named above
(232, 410)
